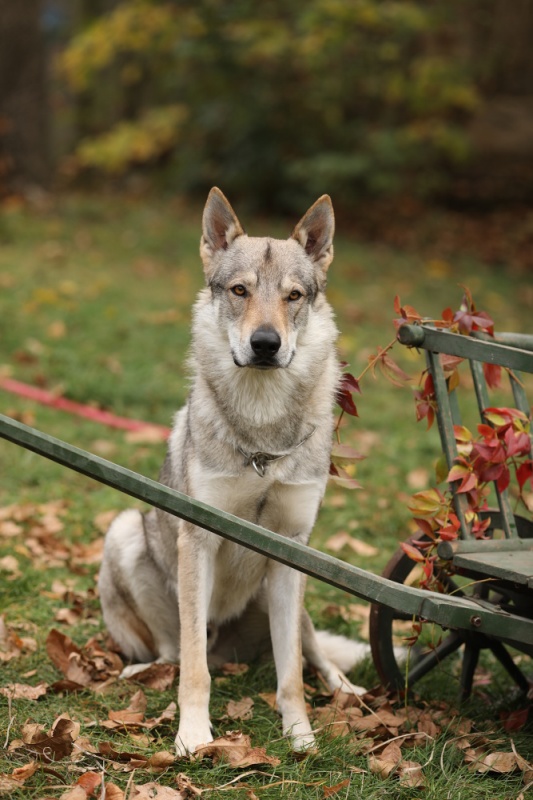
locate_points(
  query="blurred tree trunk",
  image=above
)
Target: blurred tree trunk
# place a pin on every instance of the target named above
(501, 36)
(24, 141)
(498, 37)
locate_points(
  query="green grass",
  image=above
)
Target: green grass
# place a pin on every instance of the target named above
(95, 298)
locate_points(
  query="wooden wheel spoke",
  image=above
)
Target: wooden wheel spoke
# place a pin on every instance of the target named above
(507, 662)
(428, 662)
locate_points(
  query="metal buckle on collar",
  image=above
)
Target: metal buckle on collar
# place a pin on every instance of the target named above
(260, 461)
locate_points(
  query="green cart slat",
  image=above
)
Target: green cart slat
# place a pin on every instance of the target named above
(451, 612)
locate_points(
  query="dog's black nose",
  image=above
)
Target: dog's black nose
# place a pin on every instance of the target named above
(265, 342)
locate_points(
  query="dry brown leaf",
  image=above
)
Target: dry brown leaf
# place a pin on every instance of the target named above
(8, 528)
(107, 749)
(148, 434)
(235, 749)
(186, 785)
(87, 783)
(11, 644)
(23, 691)
(387, 761)
(161, 760)
(124, 717)
(240, 709)
(427, 725)
(69, 616)
(113, 792)
(11, 565)
(91, 667)
(234, 669)
(410, 774)
(157, 676)
(497, 761)
(329, 791)
(13, 782)
(23, 773)
(269, 698)
(343, 538)
(74, 793)
(153, 791)
(58, 744)
(418, 478)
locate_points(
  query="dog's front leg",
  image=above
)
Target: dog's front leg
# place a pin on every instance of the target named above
(195, 580)
(285, 598)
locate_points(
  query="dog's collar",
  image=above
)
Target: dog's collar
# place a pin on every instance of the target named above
(260, 461)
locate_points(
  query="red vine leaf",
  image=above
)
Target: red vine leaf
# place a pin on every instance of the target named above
(413, 552)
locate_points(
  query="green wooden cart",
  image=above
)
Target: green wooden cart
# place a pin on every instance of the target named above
(495, 573)
(496, 614)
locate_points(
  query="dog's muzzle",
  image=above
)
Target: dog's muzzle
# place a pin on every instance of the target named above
(265, 343)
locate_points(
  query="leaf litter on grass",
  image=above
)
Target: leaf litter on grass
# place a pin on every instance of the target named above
(379, 725)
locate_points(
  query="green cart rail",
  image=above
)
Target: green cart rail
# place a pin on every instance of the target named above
(469, 618)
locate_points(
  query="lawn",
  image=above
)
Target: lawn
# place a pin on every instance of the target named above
(95, 298)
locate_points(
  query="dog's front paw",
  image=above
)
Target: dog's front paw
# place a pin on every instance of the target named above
(191, 736)
(303, 738)
(297, 727)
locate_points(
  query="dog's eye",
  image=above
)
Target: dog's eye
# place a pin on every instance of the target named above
(239, 290)
(294, 295)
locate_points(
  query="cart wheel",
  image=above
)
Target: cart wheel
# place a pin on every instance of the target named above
(399, 668)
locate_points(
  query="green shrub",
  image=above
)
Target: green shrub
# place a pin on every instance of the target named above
(356, 97)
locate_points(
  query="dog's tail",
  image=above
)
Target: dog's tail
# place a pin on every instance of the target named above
(343, 652)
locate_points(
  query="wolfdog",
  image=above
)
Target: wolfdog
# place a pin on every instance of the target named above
(254, 439)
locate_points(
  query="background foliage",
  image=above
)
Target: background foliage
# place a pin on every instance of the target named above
(364, 98)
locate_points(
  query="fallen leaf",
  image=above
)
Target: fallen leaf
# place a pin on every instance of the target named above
(11, 644)
(23, 773)
(148, 434)
(234, 669)
(90, 667)
(240, 709)
(58, 744)
(410, 774)
(113, 792)
(235, 749)
(329, 791)
(427, 725)
(157, 676)
(344, 539)
(23, 691)
(15, 781)
(387, 761)
(8, 785)
(84, 786)
(497, 761)
(11, 565)
(269, 698)
(186, 785)
(418, 478)
(74, 793)
(153, 791)
(515, 720)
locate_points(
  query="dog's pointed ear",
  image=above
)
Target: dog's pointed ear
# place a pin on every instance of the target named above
(315, 232)
(220, 226)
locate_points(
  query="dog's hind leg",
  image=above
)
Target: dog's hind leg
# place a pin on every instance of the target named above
(140, 614)
(322, 650)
